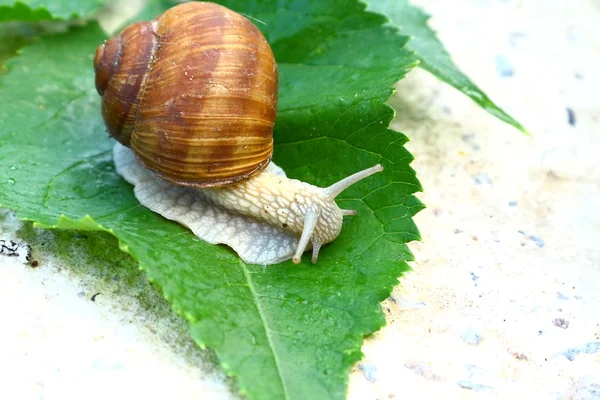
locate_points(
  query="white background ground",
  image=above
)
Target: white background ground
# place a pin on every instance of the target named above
(506, 284)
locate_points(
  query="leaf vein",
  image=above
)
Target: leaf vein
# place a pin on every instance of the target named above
(66, 171)
(53, 117)
(119, 212)
(268, 330)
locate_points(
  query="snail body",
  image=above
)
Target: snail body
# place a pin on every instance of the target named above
(193, 95)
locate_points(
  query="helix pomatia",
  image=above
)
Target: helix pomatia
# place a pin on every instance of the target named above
(193, 95)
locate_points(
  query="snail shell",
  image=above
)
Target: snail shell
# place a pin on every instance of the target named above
(193, 93)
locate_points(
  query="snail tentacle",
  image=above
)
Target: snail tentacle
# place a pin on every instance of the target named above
(315, 252)
(334, 190)
(310, 221)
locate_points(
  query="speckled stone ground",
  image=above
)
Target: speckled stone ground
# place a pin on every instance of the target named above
(503, 300)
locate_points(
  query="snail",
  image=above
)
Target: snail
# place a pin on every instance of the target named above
(191, 99)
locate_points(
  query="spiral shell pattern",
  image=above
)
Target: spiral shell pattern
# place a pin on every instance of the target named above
(193, 93)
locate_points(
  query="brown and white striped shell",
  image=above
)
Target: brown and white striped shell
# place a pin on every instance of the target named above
(193, 93)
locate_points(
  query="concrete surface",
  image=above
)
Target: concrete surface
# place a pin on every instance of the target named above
(504, 299)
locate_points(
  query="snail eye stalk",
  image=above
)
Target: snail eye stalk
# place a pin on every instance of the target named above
(310, 221)
(334, 190)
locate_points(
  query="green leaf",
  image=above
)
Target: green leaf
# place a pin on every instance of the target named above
(38, 10)
(433, 56)
(13, 37)
(287, 331)
(152, 9)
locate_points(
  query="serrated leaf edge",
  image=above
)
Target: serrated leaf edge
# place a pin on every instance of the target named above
(49, 16)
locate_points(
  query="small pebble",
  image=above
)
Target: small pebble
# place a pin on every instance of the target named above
(469, 385)
(483, 178)
(474, 277)
(408, 304)
(422, 369)
(504, 66)
(472, 336)
(520, 356)
(571, 116)
(20, 250)
(561, 296)
(472, 386)
(515, 37)
(561, 323)
(588, 348)
(476, 379)
(368, 371)
(538, 241)
(586, 388)
(469, 139)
